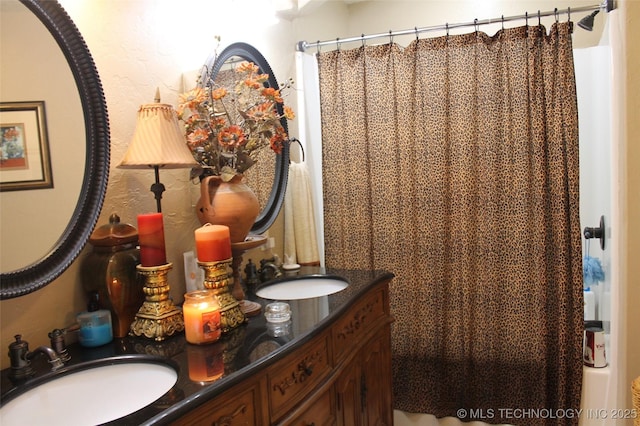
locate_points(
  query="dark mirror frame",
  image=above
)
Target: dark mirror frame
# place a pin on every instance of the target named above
(274, 203)
(96, 172)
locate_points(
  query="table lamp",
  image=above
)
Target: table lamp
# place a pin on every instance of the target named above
(157, 142)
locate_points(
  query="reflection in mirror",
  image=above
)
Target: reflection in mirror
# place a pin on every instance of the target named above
(43, 212)
(268, 177)
(76, 99)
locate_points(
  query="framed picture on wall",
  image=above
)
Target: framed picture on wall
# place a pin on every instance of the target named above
(24, 147)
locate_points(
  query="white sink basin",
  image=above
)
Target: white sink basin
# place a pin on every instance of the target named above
(91, 393)
(302, 288)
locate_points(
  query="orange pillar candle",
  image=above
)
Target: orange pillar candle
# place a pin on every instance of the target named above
(201, 317)
(213, 243)
(151, 239)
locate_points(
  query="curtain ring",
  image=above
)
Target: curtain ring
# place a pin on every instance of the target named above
(568, 14)
(475, 24)
(502, 22)
(416, 28)
(526, 18)
(447, 28)
(539, 22)
(362, 39)
(338, 43)
(390, 37)
(318, 47)
(555, 14)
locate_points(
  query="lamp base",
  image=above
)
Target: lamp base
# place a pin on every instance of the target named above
(157, 318)
(216, 278)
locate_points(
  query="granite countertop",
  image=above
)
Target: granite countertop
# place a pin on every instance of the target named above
(238, 354)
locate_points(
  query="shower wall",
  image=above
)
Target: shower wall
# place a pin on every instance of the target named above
(593, 74)
(593, 68)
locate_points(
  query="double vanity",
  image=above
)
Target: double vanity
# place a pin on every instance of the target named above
(329, 364)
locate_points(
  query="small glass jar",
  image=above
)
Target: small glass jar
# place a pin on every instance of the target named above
(201, 312)
(277, 312)
(279, 329)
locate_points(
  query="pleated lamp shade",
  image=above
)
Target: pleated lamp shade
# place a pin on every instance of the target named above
(157, 140)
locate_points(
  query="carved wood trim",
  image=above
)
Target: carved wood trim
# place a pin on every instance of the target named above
(303, 370)
(358, 320)
(227, 420)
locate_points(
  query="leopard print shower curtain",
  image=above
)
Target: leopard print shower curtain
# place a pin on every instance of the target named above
(453, 162)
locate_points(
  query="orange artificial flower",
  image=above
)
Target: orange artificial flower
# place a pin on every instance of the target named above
(246, 66)
(288, 113)
(198, 137)
(252, 83)
(273, 94)
(277, 141)
(218, 93)
(261, 111)
(231, 137)
(192, 98)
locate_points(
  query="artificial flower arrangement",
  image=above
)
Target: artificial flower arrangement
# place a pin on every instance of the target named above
(226, 127)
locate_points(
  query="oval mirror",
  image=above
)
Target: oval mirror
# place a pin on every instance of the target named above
(76, 225)
(268, 177)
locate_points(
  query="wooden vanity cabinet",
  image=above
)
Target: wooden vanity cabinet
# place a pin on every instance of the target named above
(342, 376)
(240, 405)
(363, 389)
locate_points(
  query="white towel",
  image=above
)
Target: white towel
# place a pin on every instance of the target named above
(300, 241)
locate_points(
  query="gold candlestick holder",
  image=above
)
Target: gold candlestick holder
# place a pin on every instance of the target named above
(158, 317)
(216, 278)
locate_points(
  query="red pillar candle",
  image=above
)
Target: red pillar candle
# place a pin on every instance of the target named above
(213, 243)
(151, 239)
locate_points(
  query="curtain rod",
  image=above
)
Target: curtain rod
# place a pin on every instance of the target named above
(606, 4)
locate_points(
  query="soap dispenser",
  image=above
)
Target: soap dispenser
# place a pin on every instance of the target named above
(110, 271)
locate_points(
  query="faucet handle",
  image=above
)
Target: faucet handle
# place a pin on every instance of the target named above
(18, 351)
(20, 365)
(58, 344)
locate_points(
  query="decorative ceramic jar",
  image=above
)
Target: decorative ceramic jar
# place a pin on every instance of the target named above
(230, 203)
(109, 271)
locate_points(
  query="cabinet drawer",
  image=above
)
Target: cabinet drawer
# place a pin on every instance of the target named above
(230, 409)
(293, 378)
(321, 413)
(349, 329)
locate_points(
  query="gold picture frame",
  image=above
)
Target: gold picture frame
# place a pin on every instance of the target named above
(25, 162)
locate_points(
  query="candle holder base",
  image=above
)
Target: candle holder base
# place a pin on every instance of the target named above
(216, 279)
(158, 317)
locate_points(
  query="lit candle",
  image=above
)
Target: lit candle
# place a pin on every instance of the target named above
(151, 239)
(213, 243)
(201, 317)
